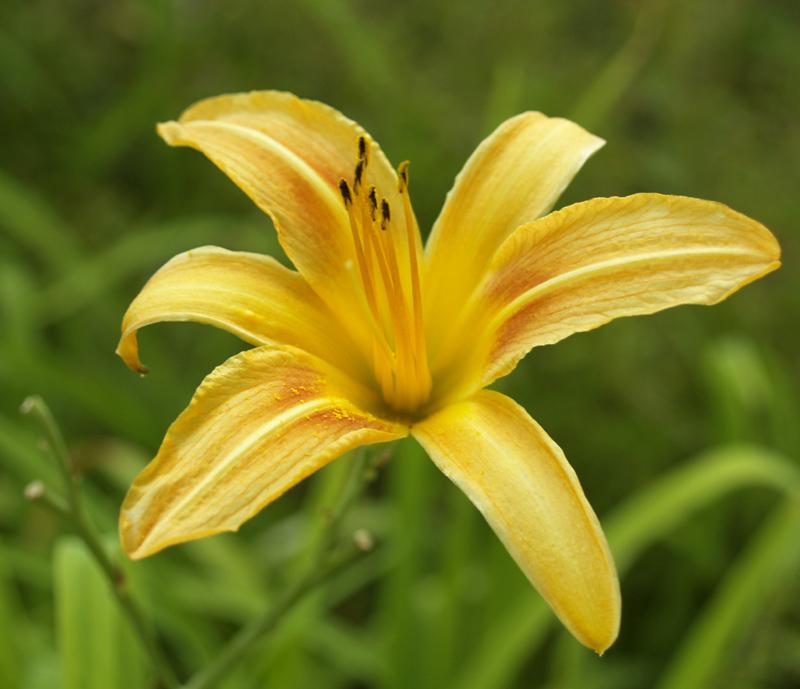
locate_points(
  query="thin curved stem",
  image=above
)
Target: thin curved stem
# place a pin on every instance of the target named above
(623, 67)
(247, 637)
(72, 510)
(323, 563)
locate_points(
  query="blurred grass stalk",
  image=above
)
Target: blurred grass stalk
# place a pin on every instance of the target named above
(97, 614)
(73, 563)
(621, 70)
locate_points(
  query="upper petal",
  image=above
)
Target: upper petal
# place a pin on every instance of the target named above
(288, 155)
(522, 483)
(249, 295)
(259, 424)
(514, 176)
(594, 261)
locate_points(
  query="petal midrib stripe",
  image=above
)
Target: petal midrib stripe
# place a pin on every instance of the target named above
(225, 462)
(596, 269)
(281, 151)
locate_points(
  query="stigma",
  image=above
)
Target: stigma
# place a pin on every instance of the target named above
(385, 248)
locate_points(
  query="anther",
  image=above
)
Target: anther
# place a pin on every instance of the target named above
(344, 189)
(358, 177)
(402, 177)
(386, 213)
(372, 195)
(364, 149)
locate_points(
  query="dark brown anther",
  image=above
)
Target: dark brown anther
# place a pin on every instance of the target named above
(358, 178)
(344, 189)
(402, 176)
(363, 149)
(386, 213)
(372, 195)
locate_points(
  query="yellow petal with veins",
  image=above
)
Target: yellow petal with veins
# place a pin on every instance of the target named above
(514, 176)
(288, 155)
(602, 259)
(259, 424)
(250, 295)
(522, 483)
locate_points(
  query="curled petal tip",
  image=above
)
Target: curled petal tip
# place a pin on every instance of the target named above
(128, 350)
(169, 131)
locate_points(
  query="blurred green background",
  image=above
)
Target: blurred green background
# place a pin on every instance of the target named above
(683, 426)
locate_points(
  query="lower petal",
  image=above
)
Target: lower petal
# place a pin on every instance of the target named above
(523, 485)
(259, 424)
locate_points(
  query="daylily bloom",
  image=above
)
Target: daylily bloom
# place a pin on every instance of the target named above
(373, 338)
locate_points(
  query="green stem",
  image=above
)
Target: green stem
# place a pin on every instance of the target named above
(116, 577)
(36, 407)
(247, 637)
(72, 510)
(321, 566)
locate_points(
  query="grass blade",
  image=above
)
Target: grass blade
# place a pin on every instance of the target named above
(640, 521)
(97, 648)
(770, 558)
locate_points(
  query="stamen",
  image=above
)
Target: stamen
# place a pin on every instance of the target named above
(386, 213)
(416, 294)
(372, 195)
(364, 149)
(402, 177)
(404, 342)
(344, 189)
(363, 266)
(395, 316)
(358, 177)
(379, 338)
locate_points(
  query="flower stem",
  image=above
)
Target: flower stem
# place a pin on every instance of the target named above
(246, 638)
(72, 510)
(325, 561)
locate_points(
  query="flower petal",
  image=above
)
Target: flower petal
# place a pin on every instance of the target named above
(602, 259)
(522, 483)
(259, 424)
(288, 155)
(514, 176)
(249, 295)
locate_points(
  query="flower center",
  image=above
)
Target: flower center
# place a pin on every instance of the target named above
(388, 273)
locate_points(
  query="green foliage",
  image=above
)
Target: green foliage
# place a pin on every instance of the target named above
(96, 646)
(682, 426)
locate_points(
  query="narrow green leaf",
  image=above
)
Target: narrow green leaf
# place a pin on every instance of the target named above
(17, 291)
(28, 218)
(410, 475)
(449, 614)
(47, 372)
(92, 279)
(97, 648)
(644, 518)
(653, 511)
(623, 68)
(771, 557)
(10, 624)
(513, 637)
(349, 649)
(365, 56)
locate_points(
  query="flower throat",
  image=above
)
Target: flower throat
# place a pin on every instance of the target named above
(390, 285)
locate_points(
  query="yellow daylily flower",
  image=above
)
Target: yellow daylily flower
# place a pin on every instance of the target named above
(372, 338)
